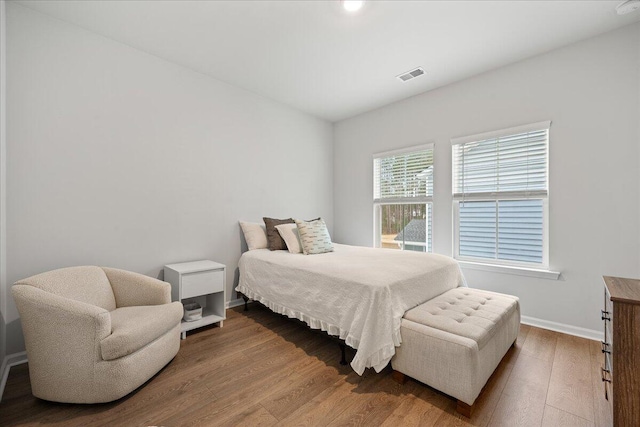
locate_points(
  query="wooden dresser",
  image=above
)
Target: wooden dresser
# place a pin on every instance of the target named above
(621, 348)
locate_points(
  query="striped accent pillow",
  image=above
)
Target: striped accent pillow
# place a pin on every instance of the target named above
(314, 236)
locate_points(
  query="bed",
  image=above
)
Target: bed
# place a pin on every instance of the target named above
(355, 293)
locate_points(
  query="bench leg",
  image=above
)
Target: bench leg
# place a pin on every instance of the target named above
(464, 409)
(398, 377)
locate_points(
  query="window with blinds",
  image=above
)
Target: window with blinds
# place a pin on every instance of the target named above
(402, 197)
(500, 188)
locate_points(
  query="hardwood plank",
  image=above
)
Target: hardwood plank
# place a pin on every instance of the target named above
(148, 410)
(227, 341)
(215, 410)
(198, 368)
(133, 410)
(263, 369)
(306, 385)
(256, 416)
(275, 356)
(554, 417)
(374, 400)
(540, 343)
(570, 385)
(259, 380)
(29, 410)
(521, 404)
(523, 397)
(423, 408)
(323, 408)
(531, 369)
(235, 399)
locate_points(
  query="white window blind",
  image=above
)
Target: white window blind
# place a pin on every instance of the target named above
(402, 196)
(403, 176)
(510, 230)
(500, 188)
(510, 165)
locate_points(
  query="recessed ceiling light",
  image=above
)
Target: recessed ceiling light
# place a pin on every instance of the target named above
(352, 5)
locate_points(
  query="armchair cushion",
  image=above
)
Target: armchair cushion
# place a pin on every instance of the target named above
(134, 327)
(131, 288)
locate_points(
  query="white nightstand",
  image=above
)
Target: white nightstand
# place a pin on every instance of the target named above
(201, 281)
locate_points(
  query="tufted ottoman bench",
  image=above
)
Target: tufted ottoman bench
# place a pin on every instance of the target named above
(455, 341)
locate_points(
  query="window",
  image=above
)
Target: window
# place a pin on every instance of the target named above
(402, 198)
(500, 190)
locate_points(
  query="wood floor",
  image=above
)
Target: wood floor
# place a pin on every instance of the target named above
(263, 369)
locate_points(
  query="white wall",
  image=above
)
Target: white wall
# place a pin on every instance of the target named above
(590, 91)
(118, 158)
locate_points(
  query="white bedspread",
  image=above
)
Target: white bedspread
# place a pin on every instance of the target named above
(359, 294)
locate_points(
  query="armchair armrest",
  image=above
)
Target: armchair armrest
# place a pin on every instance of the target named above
(134, 289)
(59, 330)
(62, 337)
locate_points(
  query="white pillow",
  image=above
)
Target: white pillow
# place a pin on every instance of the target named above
(255, 234)
(314, 237)
(289, 233)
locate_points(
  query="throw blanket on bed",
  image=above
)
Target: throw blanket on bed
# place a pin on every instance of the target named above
(359, 294)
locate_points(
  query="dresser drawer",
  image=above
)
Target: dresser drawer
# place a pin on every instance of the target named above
(202, 283)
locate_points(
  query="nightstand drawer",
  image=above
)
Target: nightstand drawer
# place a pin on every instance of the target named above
(201, 283)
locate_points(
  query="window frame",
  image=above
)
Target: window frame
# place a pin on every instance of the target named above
(502, 196)
(378, 203)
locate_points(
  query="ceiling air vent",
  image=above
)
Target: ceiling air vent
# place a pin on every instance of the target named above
(411, 74)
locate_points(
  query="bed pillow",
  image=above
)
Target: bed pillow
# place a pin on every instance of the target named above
(255, 235)
(314, 237)
(289, 233)
(274, 240)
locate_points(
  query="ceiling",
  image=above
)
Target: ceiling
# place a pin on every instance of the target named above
(316, 58)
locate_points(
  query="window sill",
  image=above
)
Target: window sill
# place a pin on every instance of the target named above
(507, 269)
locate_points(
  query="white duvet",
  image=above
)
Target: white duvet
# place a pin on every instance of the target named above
(359, 294)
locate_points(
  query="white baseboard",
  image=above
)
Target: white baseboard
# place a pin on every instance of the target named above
(9, 361)
(235, 303)
(565, 329)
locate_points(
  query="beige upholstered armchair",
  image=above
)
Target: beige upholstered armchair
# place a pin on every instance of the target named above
(95, 334)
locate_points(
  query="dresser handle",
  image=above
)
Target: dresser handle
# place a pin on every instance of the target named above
(606, 372)
(605, 315)
(605, 347)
